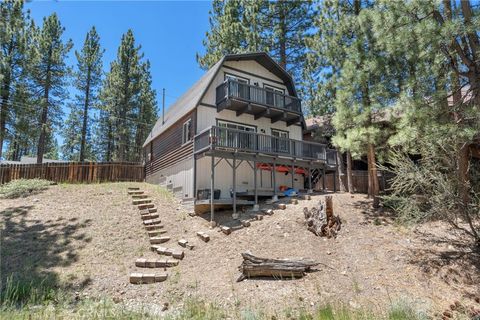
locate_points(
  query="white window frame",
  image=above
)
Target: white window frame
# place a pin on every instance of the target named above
(187, 135)
(282, 145)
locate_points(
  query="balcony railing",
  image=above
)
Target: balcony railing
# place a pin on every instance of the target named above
(247, 141)
(253, 94)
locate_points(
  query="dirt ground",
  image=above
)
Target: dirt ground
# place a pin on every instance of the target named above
(89, 236)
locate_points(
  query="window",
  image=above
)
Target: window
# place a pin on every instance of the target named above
(187, 132)
(275, 96)
(240, 137)
(236, 78)
(280, 141)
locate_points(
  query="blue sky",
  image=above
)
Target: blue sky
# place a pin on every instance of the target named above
(170, 33)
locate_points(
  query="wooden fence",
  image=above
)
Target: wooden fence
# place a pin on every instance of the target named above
(359, 180)
(74, 172)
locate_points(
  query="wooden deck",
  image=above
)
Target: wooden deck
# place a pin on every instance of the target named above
(203, 206)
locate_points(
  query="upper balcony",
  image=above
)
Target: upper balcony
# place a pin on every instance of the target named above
(260, 102)
(221, 138)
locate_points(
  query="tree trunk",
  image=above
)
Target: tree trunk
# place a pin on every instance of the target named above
(85, 117)
(341, 172)
(373, 187)
(349, 173)
(282, 39)
(4, 109)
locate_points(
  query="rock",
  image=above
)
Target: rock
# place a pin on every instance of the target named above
(165, 306)
(281, 206)
(293, 201)
(136, 278)
(178, 254)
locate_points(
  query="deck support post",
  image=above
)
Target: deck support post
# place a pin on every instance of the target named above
(335, 180)
(212, 190)
(255, 207)
(274, 173)
(234, 189)
(309, 180)
(293, 174)
(323, 179)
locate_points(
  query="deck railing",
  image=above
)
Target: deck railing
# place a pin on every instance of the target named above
(247, 141)
(234, 89)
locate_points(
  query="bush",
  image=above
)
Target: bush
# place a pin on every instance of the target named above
(23, 188)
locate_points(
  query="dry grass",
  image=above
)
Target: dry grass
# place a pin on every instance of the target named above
(85, 238)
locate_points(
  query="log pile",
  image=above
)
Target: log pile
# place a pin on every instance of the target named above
(321, 221)
(274, 268)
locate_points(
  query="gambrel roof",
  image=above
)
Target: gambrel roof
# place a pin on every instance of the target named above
(193, 96)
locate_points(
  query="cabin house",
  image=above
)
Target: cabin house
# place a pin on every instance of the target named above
(235, 136)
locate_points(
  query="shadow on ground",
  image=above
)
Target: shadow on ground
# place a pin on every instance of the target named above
(30, 248)
(453, 260)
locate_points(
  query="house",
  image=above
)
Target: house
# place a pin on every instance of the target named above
(235, 136)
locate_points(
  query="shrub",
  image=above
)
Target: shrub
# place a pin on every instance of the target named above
(23, 188)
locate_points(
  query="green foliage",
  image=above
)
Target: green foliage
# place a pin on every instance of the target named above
(128, 104)
(18, 292)
(279, 28)
(23, 187)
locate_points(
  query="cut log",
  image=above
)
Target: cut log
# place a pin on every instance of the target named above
(268, 212)
(157, 240)
(182, 242)
(226, 230)
(156, 233)
(274, 268)
(202, 235)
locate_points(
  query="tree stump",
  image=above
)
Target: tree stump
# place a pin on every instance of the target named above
(321, 221)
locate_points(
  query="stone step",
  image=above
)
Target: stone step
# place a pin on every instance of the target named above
(177, 254)
(202, 235)
(158, 240)
(133, 188)
(145, 206)
(141, 201)
(152, 227)
(149, 216)
(156, 232)
(135, 192)
(152, 210)
(145, 278)
(139, 196)
(152, 221)
(155, 263)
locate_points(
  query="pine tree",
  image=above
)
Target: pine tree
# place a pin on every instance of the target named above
(13, 39)
(227, 32)
(49, 74)
(87, 81)
(72, 134)
(147, 111)
(128, 105)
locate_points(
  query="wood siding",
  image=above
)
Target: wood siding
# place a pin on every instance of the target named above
(167, 149)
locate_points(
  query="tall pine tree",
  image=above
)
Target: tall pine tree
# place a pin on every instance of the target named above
(49, 75)
(88, 78)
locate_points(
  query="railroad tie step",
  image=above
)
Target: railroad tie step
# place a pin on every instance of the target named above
(157, 240)
(202, 235)
(149, 216)
(144, 211)
(136, 192)
(152, 210)
(155, 263)
(152, 221)
(177, 254)
(141, 201)
(146, 206)
(146, 278)
(152, 227)
(133, 188)
(156, 233)
(139, 196)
